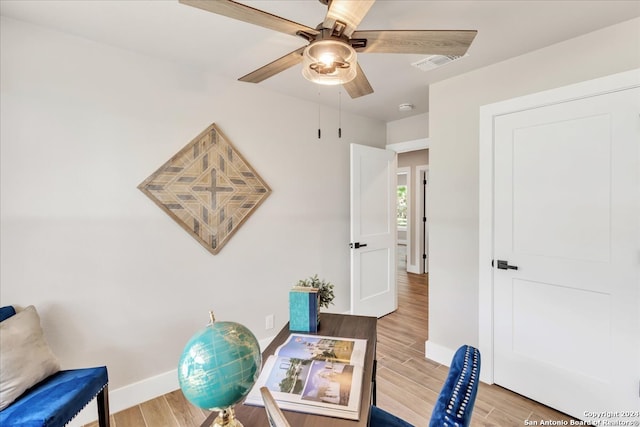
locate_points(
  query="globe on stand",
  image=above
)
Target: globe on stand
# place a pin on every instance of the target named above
(218, 367)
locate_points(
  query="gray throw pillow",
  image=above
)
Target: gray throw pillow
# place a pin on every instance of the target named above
(25, 356)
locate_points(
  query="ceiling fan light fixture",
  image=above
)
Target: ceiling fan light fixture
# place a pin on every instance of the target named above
(329, 62)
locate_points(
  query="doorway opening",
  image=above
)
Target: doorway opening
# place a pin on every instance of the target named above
(412, 218)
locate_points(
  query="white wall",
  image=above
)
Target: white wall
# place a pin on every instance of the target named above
(116, 281)
(408, 129)
(453, 124)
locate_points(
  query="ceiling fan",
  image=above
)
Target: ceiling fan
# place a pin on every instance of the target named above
(331, 55)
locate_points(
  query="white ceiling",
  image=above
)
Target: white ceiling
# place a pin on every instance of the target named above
(168, 30)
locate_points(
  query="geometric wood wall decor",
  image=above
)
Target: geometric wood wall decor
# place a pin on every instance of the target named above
(208, 188)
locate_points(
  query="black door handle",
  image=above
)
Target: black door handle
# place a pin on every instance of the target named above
(357, 245)
(504, 265)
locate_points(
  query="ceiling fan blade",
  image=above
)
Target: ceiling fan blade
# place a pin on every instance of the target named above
(359, 86)
(248, 14)
(432, 42)
(349, 12)
(275, 67)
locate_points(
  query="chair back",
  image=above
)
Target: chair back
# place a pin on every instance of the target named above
(274, 414)
(458, 395)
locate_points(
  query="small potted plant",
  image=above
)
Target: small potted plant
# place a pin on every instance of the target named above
(325, 289)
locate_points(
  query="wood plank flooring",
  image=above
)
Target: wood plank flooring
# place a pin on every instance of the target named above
(408, 383)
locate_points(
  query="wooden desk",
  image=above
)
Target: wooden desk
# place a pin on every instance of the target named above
(337, 325)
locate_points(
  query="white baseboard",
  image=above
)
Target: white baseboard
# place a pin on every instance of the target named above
(438, 353)
(138, 392)
(131, 395)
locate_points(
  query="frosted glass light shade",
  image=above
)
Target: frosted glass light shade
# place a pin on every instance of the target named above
(329, 62)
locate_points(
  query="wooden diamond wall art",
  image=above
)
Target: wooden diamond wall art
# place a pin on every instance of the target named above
(208, 188)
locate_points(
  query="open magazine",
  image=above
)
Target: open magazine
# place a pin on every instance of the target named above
(315, 374)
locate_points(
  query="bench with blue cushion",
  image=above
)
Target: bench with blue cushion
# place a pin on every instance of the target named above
(54, 401)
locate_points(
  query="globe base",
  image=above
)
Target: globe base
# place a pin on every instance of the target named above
(233, 423)
(226, 418)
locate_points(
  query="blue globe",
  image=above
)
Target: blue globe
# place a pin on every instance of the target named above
(219, 365)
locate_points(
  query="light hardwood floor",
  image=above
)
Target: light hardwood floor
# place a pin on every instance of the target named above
(408, 383)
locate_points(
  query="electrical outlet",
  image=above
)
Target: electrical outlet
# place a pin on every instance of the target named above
(268, 322)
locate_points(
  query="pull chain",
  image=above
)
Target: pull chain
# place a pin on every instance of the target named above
(340, 114)
(319, 132)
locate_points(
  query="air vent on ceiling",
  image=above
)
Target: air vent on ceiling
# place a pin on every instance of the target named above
(434, 61)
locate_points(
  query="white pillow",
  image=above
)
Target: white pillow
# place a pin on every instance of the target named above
(25, 356)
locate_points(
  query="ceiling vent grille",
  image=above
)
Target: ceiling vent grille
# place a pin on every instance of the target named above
(434, 61)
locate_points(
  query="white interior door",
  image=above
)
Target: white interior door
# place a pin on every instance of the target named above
(566, 214)
(373, 231)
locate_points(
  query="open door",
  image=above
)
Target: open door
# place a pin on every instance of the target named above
(373, 231)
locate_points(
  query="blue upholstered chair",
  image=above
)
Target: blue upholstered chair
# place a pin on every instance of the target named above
(54, 401)
(456, 399)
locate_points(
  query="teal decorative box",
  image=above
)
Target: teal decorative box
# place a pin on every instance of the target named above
(304, 309)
